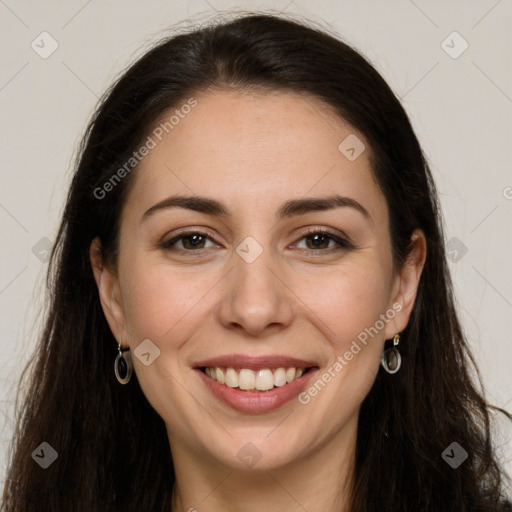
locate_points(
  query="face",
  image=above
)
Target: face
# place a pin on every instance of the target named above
(276, 273)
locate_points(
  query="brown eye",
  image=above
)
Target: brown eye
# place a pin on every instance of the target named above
(193, 241)
(317, 241)
(322, 241)
(189, 241)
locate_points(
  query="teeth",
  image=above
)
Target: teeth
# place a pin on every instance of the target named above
(219, 375)
(280, 377)
(290, 374)
(246, 379)
(231, 378)
(264, 380)
(249, 380)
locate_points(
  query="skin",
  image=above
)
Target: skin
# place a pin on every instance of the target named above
(255, 151)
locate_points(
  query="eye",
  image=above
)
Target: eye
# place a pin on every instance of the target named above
(188, 241)
(323, 241)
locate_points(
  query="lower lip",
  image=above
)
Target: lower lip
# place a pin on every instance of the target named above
(257, 401)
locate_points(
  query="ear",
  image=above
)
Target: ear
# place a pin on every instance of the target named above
(109, 291)
(406, 285)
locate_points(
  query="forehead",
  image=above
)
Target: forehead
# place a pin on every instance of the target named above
(254, 148)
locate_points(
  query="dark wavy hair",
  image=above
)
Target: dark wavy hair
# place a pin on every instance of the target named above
(113, 449)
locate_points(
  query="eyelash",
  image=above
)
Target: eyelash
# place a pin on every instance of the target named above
(343, 243)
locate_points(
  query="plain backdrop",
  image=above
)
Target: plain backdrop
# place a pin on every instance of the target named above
(456, 88)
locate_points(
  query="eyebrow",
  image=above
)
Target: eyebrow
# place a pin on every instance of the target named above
(291, 208)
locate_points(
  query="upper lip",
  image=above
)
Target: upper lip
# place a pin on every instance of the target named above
(254, 362)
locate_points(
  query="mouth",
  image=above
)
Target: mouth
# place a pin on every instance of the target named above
(255, 384)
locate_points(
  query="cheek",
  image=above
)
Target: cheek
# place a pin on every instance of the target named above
(164, 305)
(349, 299)
(157, 298)
(347, 306)
(349, 315)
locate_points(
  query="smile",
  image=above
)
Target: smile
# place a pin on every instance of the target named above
(251, 380)
(255, 384)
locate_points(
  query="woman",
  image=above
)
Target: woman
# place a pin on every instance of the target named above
(250, 302)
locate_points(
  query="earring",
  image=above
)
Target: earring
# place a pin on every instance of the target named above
(391, 359)
(123, 365)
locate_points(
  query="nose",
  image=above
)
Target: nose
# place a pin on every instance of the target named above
(256, 298)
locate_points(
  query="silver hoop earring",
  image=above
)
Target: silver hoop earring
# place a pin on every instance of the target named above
(123, 365)
(391, 359)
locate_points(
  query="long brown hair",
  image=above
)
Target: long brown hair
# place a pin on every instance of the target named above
(113, 450)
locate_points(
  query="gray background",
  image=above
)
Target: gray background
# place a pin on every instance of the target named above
(460, 105)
